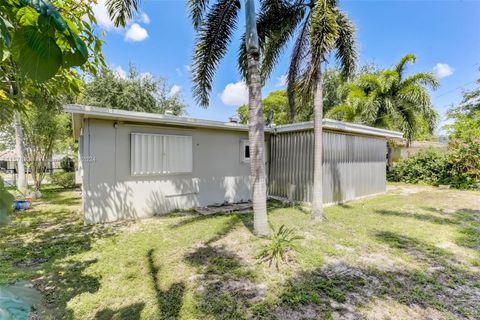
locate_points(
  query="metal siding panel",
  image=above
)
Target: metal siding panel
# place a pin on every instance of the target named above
(353, 166)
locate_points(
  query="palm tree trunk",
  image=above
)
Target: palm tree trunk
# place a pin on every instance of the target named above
(317, 201)
(255, 126)
(22, 179)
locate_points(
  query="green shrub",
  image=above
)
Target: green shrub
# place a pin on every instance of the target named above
(459, 167)
(67, 164)
(6, 200)
(463, 170)
(280, 246)
(427, 166)
(64, 179)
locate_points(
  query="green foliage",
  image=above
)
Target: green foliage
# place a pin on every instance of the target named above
(429, 167)
(6, 200)
(280, 247)
(464, 164)
(64, 179)
(44, 127)
(67, 164)
(390, 99)
(135, 92)
(276, 101)
(459, 167)
(40, 39)
(40, 42)
(465, 126)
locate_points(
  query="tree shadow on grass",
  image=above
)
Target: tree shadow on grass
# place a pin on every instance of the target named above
(418, 216)
(467, 222)
(341, 290)
(63, 282)
(169, 302)
(38, 246)
(130, 312)
(226, 287)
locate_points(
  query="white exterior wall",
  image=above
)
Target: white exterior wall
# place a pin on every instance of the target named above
(111, 193)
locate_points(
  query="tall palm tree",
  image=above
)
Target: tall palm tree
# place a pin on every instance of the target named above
(389, 99)
(320, 29)
(215, 22)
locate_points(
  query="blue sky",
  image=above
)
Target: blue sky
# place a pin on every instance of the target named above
(444, 35)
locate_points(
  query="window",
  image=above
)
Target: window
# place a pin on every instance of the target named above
(244, 150)
(153, 154)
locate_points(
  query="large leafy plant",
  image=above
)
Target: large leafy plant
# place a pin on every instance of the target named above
(6, 200)
(39, 40)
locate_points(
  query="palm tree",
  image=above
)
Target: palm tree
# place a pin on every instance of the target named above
(215, 22)
(389, 99)
(320, 29)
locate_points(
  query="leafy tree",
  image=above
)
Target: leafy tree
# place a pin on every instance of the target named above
(390, 99)
(137, 92)
(44, 126)
(276, 101)
(470, 102)
(40, 43)
(322, 30)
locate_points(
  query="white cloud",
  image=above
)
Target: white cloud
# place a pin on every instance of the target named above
(101, 14)
(144, 18)
(136, 33)
(235, 94)
(120, 72)
(281, 81)
(443, 70)
(175, 89)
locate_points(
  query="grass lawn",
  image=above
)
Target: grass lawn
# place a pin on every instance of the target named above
(413, 253)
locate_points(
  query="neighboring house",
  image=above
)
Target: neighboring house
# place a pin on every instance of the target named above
(136, 164)
(8, 161)
(401, 151)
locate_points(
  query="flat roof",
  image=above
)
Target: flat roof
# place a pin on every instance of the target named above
(81, 112)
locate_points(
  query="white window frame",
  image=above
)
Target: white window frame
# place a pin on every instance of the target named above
(243, 144)
(144, 168)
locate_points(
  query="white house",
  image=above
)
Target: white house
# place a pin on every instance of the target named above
(136, 164)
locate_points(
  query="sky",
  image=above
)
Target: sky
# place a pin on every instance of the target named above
(444, 35)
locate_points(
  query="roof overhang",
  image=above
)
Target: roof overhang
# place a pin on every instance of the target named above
(334, 125)
(81, 112)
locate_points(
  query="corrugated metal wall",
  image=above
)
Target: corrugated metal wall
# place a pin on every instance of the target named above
(353, 166)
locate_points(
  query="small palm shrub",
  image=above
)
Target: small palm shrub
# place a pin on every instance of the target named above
(281, 247)
(64, 179)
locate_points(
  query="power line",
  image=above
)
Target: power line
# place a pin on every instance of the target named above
(455, 89)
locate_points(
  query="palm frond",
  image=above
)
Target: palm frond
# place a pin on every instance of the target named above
(427, 79)
(400, 67)
(121, 11)
(300, 52)
(212, 42)
(346, 46)
(277, 34)
(197, 10)
(324, 33)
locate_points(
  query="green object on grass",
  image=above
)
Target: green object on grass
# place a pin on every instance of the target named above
(6, 200)
(17, 300)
